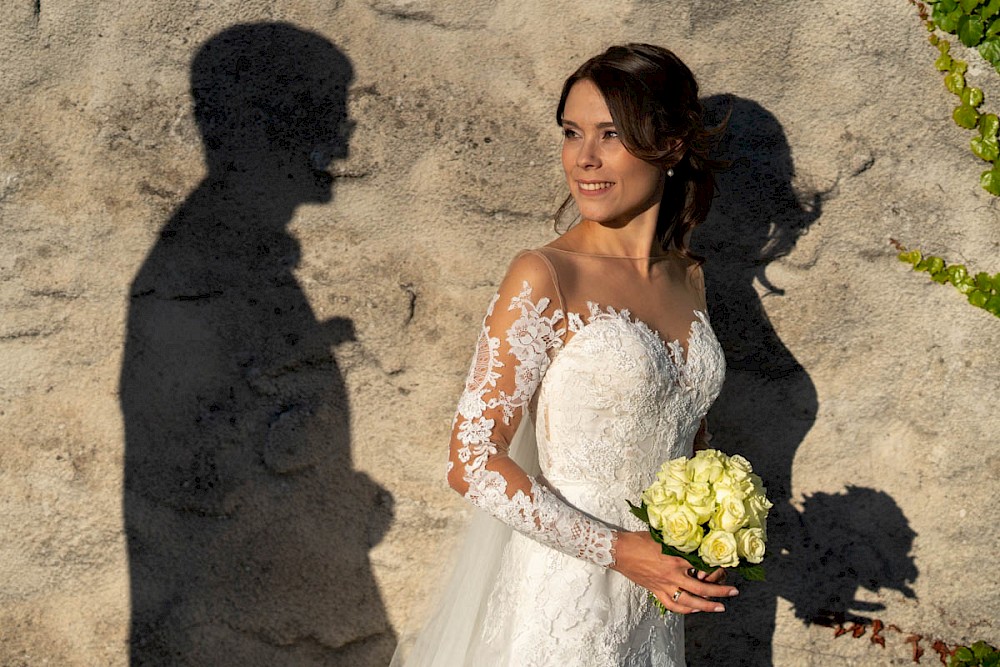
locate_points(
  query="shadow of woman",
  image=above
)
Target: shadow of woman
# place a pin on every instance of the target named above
(248, 531)
(769, 403)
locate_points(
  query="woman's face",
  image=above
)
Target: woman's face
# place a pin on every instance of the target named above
(609, 184)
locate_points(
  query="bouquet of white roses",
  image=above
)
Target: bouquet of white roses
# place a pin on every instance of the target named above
(710, 510)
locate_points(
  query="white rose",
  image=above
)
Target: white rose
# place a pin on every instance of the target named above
(681, 530)
(658, 513)
(718, 549)
(757, 507)
(739, 467)
(731, 515)
(657, 495)
(706, 466)
(726, 488)
(701, 500)
(675, 469)
(750, 544)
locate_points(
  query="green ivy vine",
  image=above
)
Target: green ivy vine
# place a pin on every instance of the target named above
(977, 24)
(982, 290)
(979, 654)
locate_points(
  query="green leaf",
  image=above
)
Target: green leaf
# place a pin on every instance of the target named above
(981, 649)
(988, 125)
(964, 654)
(944, 46)
(993, 305)
(985, 149)
(971, 29)
(943, 62)
(639, 511)
(990, 9)
(940, 278)
(990, 50)
(983, 282)
(935, 264)
(977, 298)
(957, 273)
(948, 21)
(965, 116)
(990, 181)
(751, 572)
(972, 96)
(955, 82)
(910, 257)
(966, 286)
(994, 29)
(959, 66)
(968, 5)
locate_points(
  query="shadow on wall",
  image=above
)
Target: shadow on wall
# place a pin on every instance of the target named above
(821, 556)
(248, 530)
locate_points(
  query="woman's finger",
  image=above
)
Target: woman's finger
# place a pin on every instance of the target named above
(690, 603)
(706, 589)
(716, 577)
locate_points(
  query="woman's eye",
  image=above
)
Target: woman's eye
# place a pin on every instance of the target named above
(568, 133)
(611, 134)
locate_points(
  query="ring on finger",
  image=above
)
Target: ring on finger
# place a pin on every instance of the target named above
(691, 572)
(676, 595)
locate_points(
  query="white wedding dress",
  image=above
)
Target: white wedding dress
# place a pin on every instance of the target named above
(618, 374)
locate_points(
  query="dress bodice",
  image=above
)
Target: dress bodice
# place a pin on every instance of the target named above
(616, 402)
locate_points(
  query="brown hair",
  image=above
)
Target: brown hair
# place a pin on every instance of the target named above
(653, 100)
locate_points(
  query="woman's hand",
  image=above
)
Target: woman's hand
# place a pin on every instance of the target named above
(639, 557)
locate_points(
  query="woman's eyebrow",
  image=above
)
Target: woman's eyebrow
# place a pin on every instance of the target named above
(601, 125)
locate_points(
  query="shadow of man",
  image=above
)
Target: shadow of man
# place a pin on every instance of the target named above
(248, 531)
(769, 402)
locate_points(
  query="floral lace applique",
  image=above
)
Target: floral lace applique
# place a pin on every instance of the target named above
(502, 380)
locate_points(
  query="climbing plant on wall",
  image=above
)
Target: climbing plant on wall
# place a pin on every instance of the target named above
(977, 24)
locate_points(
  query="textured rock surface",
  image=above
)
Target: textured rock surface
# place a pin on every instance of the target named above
(267, 488)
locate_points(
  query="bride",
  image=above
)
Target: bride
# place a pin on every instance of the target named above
(595, 363)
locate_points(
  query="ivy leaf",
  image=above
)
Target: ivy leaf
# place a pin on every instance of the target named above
(985, 149)
(959, 66)
(972, 96)
(910, 257)
(990, 9)
(990, 181)
(949, 21)
(943, 63)
(969, 5)
(954, 82)
(965, 116)
(946, 5)
(993, 305)
(957, 273)
(977, 298)
(983, 282)
(990, 50)
(971, 29)
(988, 126)
(994, 29)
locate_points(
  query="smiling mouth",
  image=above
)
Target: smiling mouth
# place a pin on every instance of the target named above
(594, 187)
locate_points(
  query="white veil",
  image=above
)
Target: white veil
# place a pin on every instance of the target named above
(453, 631)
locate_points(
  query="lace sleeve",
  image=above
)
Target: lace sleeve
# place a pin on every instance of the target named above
(523, 326)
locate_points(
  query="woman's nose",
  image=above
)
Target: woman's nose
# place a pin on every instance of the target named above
(589, 155)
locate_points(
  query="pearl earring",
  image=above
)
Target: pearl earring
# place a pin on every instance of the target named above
(670, 172)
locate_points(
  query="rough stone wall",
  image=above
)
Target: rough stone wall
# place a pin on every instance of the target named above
(226, 380)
